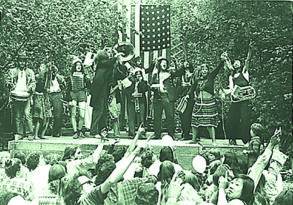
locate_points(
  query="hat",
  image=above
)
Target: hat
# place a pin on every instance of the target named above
(57, 171)
(199, 164)
(279, 157)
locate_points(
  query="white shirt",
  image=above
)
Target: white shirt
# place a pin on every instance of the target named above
(55, 87)
(21, 82)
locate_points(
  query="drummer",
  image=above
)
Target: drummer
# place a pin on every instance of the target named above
(21, 82)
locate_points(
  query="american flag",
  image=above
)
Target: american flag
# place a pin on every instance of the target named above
(155, 27)
(148, 30)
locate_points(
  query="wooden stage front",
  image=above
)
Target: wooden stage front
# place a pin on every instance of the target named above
(184, 150)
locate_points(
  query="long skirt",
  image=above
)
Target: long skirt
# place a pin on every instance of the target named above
(205, 113)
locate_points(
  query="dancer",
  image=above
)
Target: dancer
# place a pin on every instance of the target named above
(239, 113)
(136, 100)
(161, 84)
(21, 81)
(42, 111)
(54, 84)
(105, 62)
(186, 73)
(205, 112)
(78, 81)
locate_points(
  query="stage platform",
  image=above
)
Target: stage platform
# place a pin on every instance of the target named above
(184, 150)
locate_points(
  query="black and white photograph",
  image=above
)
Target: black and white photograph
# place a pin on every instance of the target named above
(146, 102)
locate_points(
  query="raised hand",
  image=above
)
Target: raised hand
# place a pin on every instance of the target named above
(224, 56)
(275, 139)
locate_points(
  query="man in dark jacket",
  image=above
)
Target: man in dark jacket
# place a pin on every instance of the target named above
(106, 63)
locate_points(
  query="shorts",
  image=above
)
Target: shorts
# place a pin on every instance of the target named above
(78, 96)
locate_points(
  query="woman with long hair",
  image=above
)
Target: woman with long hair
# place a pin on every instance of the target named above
(162, 84)
(205, 112)
(78, 96)
(239, 191)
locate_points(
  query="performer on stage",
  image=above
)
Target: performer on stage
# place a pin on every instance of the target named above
(21, 81)
(186, 73)
(136, 100)
(78, 83)
(42, 109)
(106, 63)
(238, 117)
(55, 84)
(205, 112)
(161, 84)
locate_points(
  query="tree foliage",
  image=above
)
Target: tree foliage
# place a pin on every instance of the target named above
(51, 30)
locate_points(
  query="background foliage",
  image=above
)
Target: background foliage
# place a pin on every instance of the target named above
(53, 29)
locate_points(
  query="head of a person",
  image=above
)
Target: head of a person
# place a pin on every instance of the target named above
(108, 51)
(256, 129)
(22, 60)
(237, 65)
(104, 172)
(166, 172)
(3, 157)
(77, 66)
(56, 174)
(12, 166)
(104, 168)
(163, 64)
(241, 188)
(285, 197)
(21, 156)
(204, 70)
(191, 179)
(138, 75)
(52, 158)
(147, 194)
(147, 158)
(138, 61)
(166, 153)
(33, 161)
(118, 153)
(72, 153)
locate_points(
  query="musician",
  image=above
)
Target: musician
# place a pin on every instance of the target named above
(186, 72)
(136, 100)
(77, 86)
(163, 97)
(55, 84)
(106, 72)
(239, 113)
(42, 110)
(21, 81)
(205, 112)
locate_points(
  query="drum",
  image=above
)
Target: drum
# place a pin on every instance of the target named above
(21, 96)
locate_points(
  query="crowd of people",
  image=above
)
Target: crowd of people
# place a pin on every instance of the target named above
(132, 175)
(101, 88)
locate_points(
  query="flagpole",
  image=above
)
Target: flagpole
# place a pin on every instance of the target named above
(128, 19)
(137, 28)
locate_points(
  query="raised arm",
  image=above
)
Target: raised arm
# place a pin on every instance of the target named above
(258, 167)
(215, 72)
(248, 58)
